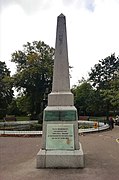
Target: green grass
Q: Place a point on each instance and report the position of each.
(22, 118)
(19, 118)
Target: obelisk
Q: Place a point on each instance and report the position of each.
(61, 94)
(60, 140)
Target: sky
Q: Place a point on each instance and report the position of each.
(92, 29)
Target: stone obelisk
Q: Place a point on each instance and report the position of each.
(60, 140)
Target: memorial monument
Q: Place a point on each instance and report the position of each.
(60, 140)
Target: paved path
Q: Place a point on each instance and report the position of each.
(17, 159)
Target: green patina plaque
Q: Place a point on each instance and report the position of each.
(52, 115)
(68, 115)
(60, 115)
(60, 137)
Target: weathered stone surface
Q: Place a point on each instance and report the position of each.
(60, 140)
(61, 159)
(60, 99)
(61, 94)
(61, 66)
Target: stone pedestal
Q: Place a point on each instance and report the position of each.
(60, 159)
(60, 140)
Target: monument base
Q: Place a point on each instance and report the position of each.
(60, 159)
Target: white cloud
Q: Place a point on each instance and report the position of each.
(29, 6)
(92, 28)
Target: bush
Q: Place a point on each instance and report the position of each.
(36, 127)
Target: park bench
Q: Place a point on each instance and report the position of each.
(10, 118)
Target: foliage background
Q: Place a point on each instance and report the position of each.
(98, 95)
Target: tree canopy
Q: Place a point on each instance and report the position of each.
(84, 96)
(98, 95)
(34, 73)
(6, 92)
(104, 76)
(104, 72)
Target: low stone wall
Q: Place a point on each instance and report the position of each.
(94, 126)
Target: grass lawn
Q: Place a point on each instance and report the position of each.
(19, 118)
(22, 118)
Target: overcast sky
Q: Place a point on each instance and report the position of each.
(92, 29)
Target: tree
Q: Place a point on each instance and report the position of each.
(104, 77)
(13, 109)
(111, 95)
(104, 71)
(115, 90)
(6, 92)
(34, 73)
(84, 96)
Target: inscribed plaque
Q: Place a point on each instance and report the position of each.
(60, 137)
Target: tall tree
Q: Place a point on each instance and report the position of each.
(84, 96)
(102, 77)
(104, 71)
(111, 95)
(34, 73)
(6, 92)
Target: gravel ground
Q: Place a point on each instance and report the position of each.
(18, 158)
